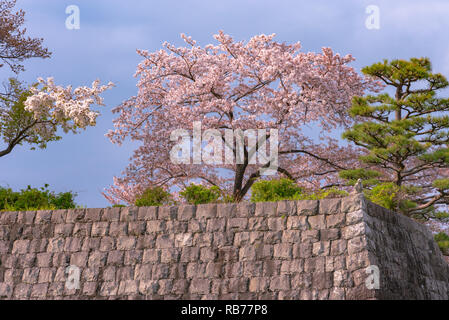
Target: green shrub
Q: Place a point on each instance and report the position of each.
(321, 194)
(442, 239)
(35, 199)
(198, 194)
(156, 196)
(286, 189)
(391, 196)
(274, 190)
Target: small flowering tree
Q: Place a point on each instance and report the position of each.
(34, 115)
(233, 85)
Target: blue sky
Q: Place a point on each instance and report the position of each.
(111, 31)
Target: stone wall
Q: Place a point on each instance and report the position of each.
(285, 250)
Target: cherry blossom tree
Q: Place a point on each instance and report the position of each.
(15, 46)
(260, 84)
(34, 115)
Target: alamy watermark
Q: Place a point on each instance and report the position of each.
(73, 277)
(373, 19)
(373, 279)
(72, 22)
(189, 149)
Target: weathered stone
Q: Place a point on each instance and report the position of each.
(353, 231)
(167, 213)
(20, 246)
(117, 229)
(286, 208)
(46, 275)
(147, 213)
(151, 255)
(89, 289)
(55, 245)
(79, 259)
(100, 229)
(226, 210)
(278, 283)
(322, 280)
(264, 209)
(329, 206)
(336, 220)
(170, 255)
(237, 224)
(30, 275)
(327, 249)
(115, 257)
(357, 244)
(257, 224)
(259, 284)
(204, 211)
(297, 222)
(238, 284)
(338, 247)
(276, 224)
(75, 215)
(183, 240)
(111, 214)
(245, 209)
(82, 229)
(307, 207)
(129, 214)
(72, 244)
(93, 215)
(353, 203)
(317, 222)
(321, 248)
(108, 288)
(310, 236)
(329, 234)
(97, 259)
(214, 225)
(200, 286)
(291, 236)
(355, 217)
(126, 243)
(64, 229)
(283, 251)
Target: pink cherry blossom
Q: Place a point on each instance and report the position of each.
(55, 106)
(259, 84)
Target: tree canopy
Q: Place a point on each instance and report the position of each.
(258, 84)
(404, 137)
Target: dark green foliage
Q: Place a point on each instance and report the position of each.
(286, 189)
(156, 196)
(321, 194)
(198, 194)
(35, 199)
(274, 190)
(405, 137)
(442, 239)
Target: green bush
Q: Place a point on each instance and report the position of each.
(198, 194)
(156, 196)
(391, 196)
(321, 194)
(442, 239)
(35, 199)
(286, 189)
(274, 190)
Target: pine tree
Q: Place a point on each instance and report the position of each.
(404, 138)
